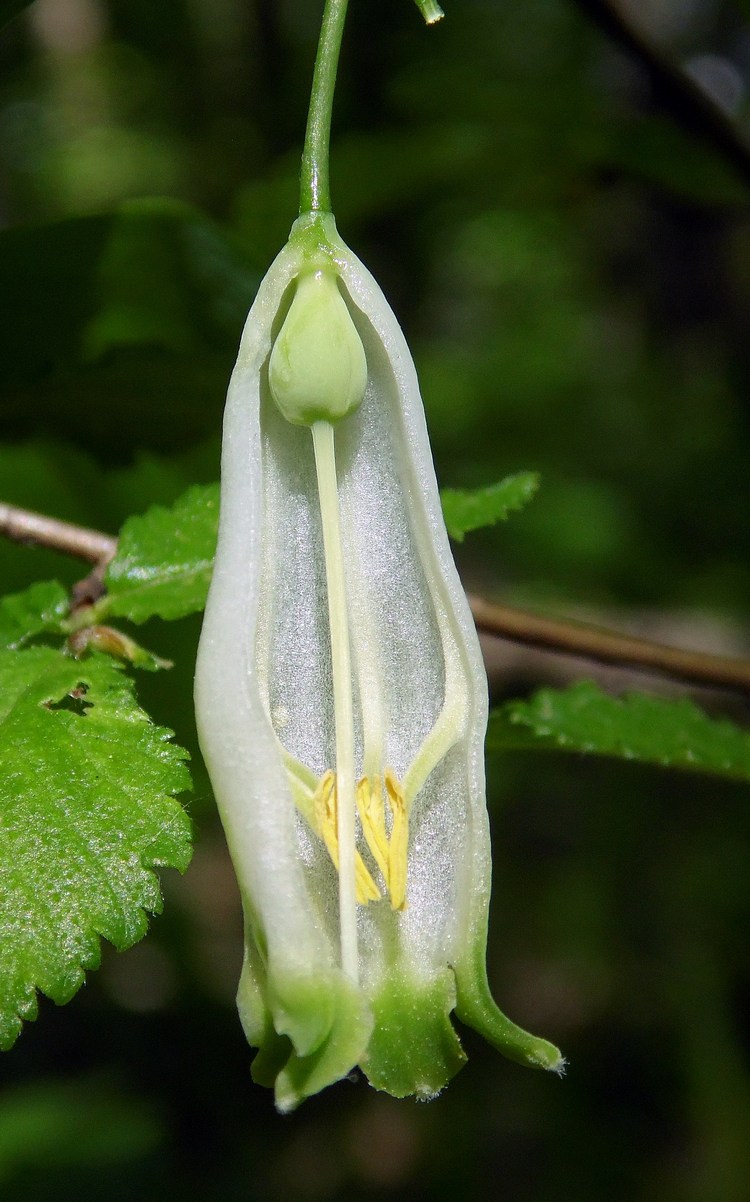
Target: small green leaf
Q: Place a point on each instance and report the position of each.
(651, 730)
(165, 558)
(87, 811)
(113, 642)
(39, 608)
(466, 509)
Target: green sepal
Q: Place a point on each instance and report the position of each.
(414, 1048)
(340, 1052)
(476, 1008)
(257, 1021)
(310, 1032)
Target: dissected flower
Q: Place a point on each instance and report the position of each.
(342, 701)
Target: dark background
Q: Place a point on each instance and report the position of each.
(564, 233)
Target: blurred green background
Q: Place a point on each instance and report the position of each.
(567, 246)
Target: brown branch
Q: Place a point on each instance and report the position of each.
(672, 88)
(609, 647)
(25, 526)
(567, 637)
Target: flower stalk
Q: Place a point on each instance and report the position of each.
(315, 188)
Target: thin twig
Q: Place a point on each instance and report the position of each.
(672, 88)
(563, 636)
(25, 526)
(609, 647)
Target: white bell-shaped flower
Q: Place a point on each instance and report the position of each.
(342, 701)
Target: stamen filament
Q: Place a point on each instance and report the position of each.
(399, 842)
(338, 621)
(325, 821)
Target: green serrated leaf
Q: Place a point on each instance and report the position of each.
(86, 812)
(37, 609)
(165, 558)
(651, 730)
(465, 510)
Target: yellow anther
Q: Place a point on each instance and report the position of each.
(399, 842)
(367, 890)
(325, 809)
(388, 850)
(372, 816)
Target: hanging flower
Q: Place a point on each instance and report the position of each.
(342, 702)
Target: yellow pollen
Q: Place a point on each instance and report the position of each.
(372, 816)
(325, 809)
(388, 851)
(390, 854)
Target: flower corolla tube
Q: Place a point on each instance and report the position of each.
(342, 702)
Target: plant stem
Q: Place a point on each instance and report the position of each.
(25, 526)
(315, 190)
(610, 647)
(341, 670)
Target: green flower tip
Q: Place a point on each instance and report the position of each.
(545, 1055)
(431, 11)
(317, 370)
